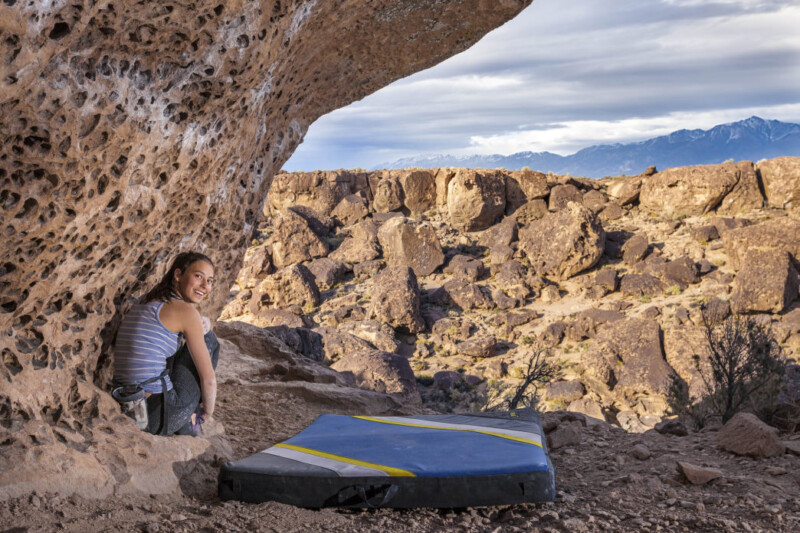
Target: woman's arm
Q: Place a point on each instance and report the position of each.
(192, 329)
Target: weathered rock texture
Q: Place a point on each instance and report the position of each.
(131, 131)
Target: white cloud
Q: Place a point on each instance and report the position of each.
(566, 74)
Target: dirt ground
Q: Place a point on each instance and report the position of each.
(601, 487)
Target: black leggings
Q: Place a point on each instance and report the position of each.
(185, 395)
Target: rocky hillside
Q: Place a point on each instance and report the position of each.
(417, 290)
(437, 285)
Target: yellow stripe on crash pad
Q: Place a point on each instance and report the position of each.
(394, 472)
(451, 427)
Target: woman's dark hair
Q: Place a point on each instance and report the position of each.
(164, 289)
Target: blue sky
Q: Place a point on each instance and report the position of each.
(566, 74)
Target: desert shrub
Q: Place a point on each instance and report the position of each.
(743, 370)
(538, 372)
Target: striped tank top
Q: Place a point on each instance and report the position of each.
(143, 346)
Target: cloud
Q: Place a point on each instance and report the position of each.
(567, 74)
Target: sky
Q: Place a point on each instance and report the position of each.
(567, 74)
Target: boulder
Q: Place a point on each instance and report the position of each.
(327, 272)
(319, 223)
(367, 269)
(387, 194)
(395, 299)
(594, 201)
(478, 347)
(606, 279)
(350, 210)
(681, 272)
(522, 186)
(767, 282)
(466, 295)
(635, 249)
(745, 195)
(612, 211)
(566, 434)
(293, 241)
(530, 212)
(257, 265)
(625, 190)
(745, 434)
(501, 234)
(779, 233)
(442, 182)
(293, 285)
(336, 344)
(681, 345)
(419, 190)
(447, 380)
(465, 267)
(360, 246)
(476, 199)
(781, 179)
(376, 333)
(688, 190)
(640, 285)
(587, 321)
(554, 332)
(705, 233)
(265, 318)
(589, 408)
(564, 392)
(406, 242)
(381, 372)
(564, 243)
(320, 190)
(632, 348)
(561, 195)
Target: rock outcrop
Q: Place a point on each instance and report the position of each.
(476, 199)
(688, 190)
(406, 242)
(133, 131)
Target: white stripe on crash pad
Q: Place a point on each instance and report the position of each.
(510, 434)
(344, 467)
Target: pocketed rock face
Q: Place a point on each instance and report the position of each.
(564, 243)
(132, 131)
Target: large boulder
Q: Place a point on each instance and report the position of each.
(633, 352)
(681, 345)
(387, 193)
(745, 195)
(327, 272)
(466, 267)
(625, 190)
(564, 243)
(688, 190)
(406, 242)
(360, 246)
(395, 299)
(376, 333)
(779, 233)
(293, 241)
(293, 285)
(350, 210)
(476, 199)
(561, 195)
(381, 372)
(419, 190)
(766, 283)
(257, 265)
(523, 186)
(781, 179)
(745, 434)
(320, 190)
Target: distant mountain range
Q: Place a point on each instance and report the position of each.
(750, 139)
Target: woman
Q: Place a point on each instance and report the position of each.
(149, 351)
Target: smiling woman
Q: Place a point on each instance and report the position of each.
(159, 378)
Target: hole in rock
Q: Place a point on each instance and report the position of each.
(60, 29)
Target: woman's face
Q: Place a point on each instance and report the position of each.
(195, 282)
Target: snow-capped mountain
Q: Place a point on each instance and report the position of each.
(750, 139)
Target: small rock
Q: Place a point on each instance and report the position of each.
(641, 452)
(698, 475)
(671, 427)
